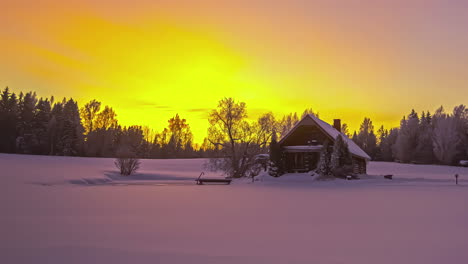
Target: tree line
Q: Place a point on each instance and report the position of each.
(44, 126)
(425, 138)
(32, 125)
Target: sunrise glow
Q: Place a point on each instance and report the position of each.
(152, 59)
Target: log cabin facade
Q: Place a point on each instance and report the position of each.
(301, 146)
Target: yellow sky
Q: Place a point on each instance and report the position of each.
(152, 59)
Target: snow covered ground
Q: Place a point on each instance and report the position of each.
(78, 210)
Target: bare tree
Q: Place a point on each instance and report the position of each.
(88, 114)
(106, 119)
(239, 141)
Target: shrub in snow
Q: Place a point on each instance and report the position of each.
(126, 162)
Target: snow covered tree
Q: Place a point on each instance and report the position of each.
(446, 137)
(340, 159)
(324, 168)
(460, 113)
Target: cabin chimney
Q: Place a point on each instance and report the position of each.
(337, 124)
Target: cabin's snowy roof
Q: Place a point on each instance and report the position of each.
(332, 132)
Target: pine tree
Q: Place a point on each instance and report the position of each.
(8, 121)
(27, 105)
(366, 138)
(72, 137)
(40, 124)
(407, 141)
(401, 147)
(424, 151)
(345, 130)
(275, 165)
(387, 140)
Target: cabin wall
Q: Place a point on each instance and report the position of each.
(300, 161)
(359, 165)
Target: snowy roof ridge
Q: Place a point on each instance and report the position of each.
(333, 133)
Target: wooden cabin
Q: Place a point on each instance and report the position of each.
(301, 146)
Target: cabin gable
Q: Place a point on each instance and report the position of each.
(305, 135)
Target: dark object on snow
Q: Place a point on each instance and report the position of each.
(200, 181)
(389, 176)
(353, 176)
(349, 177)
(456, 179)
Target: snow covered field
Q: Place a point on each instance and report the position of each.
(78, 210)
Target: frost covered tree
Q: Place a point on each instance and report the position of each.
(460, 113)
(446, 137)
(324, 168)
(340, 159)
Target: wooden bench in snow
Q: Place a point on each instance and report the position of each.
(201, 181)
